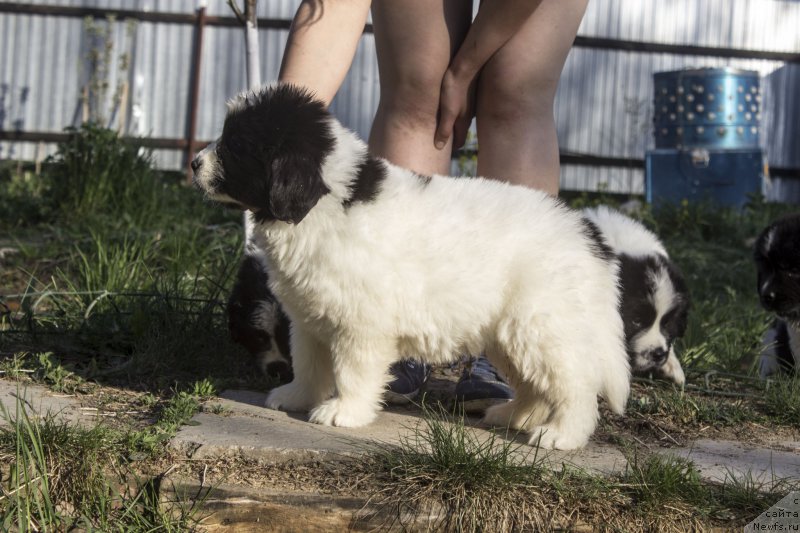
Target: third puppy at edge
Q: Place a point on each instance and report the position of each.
(777, 258)
(373, 262)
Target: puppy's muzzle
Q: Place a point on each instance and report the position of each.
(658, 356)
(773, 302)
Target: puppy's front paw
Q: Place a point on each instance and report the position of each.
(549, 438)
(672, 371)
(290, 397)
(335, 412)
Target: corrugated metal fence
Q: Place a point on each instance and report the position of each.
(603, 107)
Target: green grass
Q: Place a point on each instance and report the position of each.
(782, 400)
(445, 469)
(446, 478)
(59, 477)
(122, 272)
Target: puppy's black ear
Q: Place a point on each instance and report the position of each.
(295, 187)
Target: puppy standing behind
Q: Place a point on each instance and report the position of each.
(256, 319)
(655, 299)
(777, 257)
(371, 261)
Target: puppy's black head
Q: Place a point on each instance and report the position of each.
(654, 306)
(257, 321)
(777, 257)
(270, 154)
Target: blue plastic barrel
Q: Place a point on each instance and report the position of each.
(707, 108)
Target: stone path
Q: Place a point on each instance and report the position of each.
(39, 400)
(247, 429)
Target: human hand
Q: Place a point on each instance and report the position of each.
(456, 109)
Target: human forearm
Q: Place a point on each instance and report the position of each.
(321, 44)
(496, 22)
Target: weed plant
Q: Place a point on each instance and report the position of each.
(97, 172)
(60, 477)
(127, 270)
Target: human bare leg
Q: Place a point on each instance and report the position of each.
(415, 40)
(514, 108)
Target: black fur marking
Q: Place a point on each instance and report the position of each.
(282, 333)
(635, 289)
(599, 247)
(423, 179)
(370, 176)
(271, 153)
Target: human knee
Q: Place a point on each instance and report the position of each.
(413, 97)
(506, 100)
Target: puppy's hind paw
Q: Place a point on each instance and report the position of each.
(549, 438)
(289, 397)
(335, 412)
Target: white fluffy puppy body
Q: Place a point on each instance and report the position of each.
(434, 267)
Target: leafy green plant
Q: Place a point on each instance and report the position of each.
(95, 172)
(203, 389)
(657, 480)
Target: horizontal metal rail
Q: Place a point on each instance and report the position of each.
(582, 41)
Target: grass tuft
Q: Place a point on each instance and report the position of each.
(444, 477)
(782, 399)
(461, 482)
(63, 478)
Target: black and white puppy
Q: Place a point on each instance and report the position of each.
(655, 299)
(373, 262)
(256, 319)
(777, 257)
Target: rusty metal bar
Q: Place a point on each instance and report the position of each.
(194, 90)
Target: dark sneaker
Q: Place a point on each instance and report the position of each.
(409, 376)
(480, 387)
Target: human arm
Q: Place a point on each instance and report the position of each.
(322, 43)
(496, 22)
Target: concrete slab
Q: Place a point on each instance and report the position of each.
(249, 429)
(246, 427)
(721, 459)
(39, 401)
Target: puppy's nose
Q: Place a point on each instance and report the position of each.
(196, 163)
(658, 355)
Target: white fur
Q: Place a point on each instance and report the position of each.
(434, 270)
(624, 234)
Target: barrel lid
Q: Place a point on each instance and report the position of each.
(709, 71)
